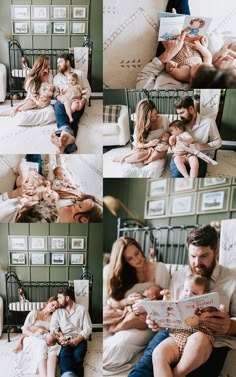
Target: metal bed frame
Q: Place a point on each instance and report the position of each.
(18, 57)
(165, 244)
(34, 291)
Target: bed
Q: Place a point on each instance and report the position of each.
(24, 296)
(168, 245)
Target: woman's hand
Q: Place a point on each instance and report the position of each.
(138, 307)
(25, 189)
(218, 321)
(132, 298)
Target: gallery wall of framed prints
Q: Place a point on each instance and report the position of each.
(185, 197)
(47, 251)
(50, 19)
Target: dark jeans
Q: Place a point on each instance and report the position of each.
(174, 172)
(212, 367)
(144, 365)
(181, 7)
(63, 120)
(33, 158)
(71, 359)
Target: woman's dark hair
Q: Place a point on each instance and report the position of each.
(95, 214)
(122, 275)
(204, 236)
(214, 78)
(42, 212)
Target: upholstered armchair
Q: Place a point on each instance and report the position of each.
(115, 125)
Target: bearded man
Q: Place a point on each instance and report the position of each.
(64, 137)
(74, 324)
(203, 249)
(203, 130)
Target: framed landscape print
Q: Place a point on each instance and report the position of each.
(155, 208)
(213, 201)
(78, 259)
(79, 12)
(37, 243)
(57, 242)
(18, 258)
(157, 187)
(179, 185)
(39, 12)
(20, 12)
(182, 205)
(59, 12)
(205, 183)
(78, 243)
(58, 259)
(37, 259)
(21, 27)
(17, 243)
(79, 27)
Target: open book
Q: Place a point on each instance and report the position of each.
(171, 25)
(184, 313)
(199, 154)
(31, 166)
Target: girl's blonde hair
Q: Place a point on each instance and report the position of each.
(144, 110)
(33, 79)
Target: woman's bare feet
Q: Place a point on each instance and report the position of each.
(56, 141)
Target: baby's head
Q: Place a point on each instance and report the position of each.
(153, 292)
(59, 173)
(51, 196)
(165, 136)
(195, 285)
(73, 79)
(176, 127)
(51, 88)
(198, 72)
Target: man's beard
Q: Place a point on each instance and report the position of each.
(62, 69)
(203, 270)
(187, 120)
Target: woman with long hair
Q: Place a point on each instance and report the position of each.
(37, 356)
(38, 85)
(125, 277)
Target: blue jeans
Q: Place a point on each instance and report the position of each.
(144, 365)
(174, 172)
(63, 120)
(212, 367)
(181, 7)
(71, 359)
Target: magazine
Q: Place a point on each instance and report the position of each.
(31, 166)
(182, 314)
(171, 25)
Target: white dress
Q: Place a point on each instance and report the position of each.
(155, 168)
(35, 349)
(120, 350)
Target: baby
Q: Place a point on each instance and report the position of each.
(41, 186)
(63, 185)
(123, 319)
(153, 150)
(72, 95)
(193, 55)
(40, 332)
(178, 347)
(179, 138)
(37, 101)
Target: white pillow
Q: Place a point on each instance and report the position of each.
(37, 117)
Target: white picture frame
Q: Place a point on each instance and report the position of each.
(60, 27)
(78, 259)
(79, 12)
(179, 185)
(40, 12)
(206, 183)
(79, 27)
(40, 27)
(155, 208)
(21, 27)
(78, 243)
(57, 243)
(20, 12)
(17, 243)
(182, 205)
(58, 259)
(213, 200)
(157, 187)
(18, 259)
(37, 259)
(59, 12)
(37, 242)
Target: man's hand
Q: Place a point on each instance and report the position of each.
(172, 48)
(199, 146)
(218, 321)
(74, 342)
(152, 324)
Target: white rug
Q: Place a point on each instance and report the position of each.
(36, 139)
(92, 364)
(226, 165)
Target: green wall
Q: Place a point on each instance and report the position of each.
(228, 124)
(132, 192)
(58, 41)
(93, 232)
